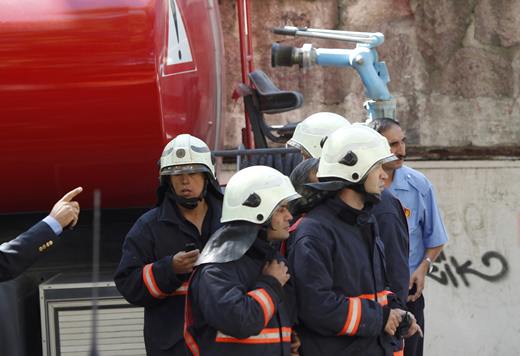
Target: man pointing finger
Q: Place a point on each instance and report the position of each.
(20, 253)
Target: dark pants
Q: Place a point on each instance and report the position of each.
(413, 346)
(179, 349)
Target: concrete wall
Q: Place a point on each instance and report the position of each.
(454, 65)
(472, 296)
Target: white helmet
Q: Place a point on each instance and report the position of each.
(351, 151)
(253, 194)
(309, 133)
(186, 154)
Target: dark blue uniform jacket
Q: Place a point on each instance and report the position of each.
(337, 266)
(236, 310)
(393, 230)
(145, 274)
(19, 254)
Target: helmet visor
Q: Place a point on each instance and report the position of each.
(184, 169)
(388, 159)
(285, 201)
(382, 161)
(294, 144)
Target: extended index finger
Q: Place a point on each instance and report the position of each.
(70, 195)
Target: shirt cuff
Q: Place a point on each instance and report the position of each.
(53, 224)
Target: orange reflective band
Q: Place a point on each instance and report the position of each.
(399, 353)
(149, 282)
(382, 297)
(190, 342)
(264, 299)
(353, 317)
(266, 336)
(182, 290)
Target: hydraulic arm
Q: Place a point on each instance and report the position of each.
(363, 58)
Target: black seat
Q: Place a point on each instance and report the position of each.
(265, 97)
(272, 100)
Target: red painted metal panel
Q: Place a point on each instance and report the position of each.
(84, 100)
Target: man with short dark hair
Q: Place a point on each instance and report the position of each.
(427, 232)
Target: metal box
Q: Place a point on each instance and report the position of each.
(66, 318)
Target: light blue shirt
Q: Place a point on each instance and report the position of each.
(425, 225)
(54, 224)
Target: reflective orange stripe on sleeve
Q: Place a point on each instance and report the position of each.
(353, 317)
(182, 290)
(266, 336)
(149, 282)
(151, 285)
(382, 297)
(264, 299)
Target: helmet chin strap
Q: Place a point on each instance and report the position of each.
(189, 203)
(371, 198)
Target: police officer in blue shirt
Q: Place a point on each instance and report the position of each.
(427, 232)
(19, 254)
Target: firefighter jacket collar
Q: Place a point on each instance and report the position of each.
(347, 213)
(263, 250)
(329, 186)
(229, 243)
(169, 212)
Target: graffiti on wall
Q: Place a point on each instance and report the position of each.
(450, 270)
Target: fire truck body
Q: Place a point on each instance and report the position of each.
(92, 90)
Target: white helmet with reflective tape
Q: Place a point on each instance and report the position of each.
(309, 133)
(350, 152)
(186, 154)
(254, 193)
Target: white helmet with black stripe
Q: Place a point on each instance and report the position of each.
(350, 152)
(310, 132)
(186, 154)
(254, 193)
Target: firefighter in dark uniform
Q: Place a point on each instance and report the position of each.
(19, 254)
(391, 221)
(161, 248)
(239, 299)
(337, 257)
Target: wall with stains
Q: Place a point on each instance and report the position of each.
(455, 71)
(454, 67)
(472, 293)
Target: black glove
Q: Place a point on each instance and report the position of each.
(404, 325)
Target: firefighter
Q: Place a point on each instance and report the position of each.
(161, 248)
(427, 233)
(337, 259)
(310, 132)
(240, 301)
